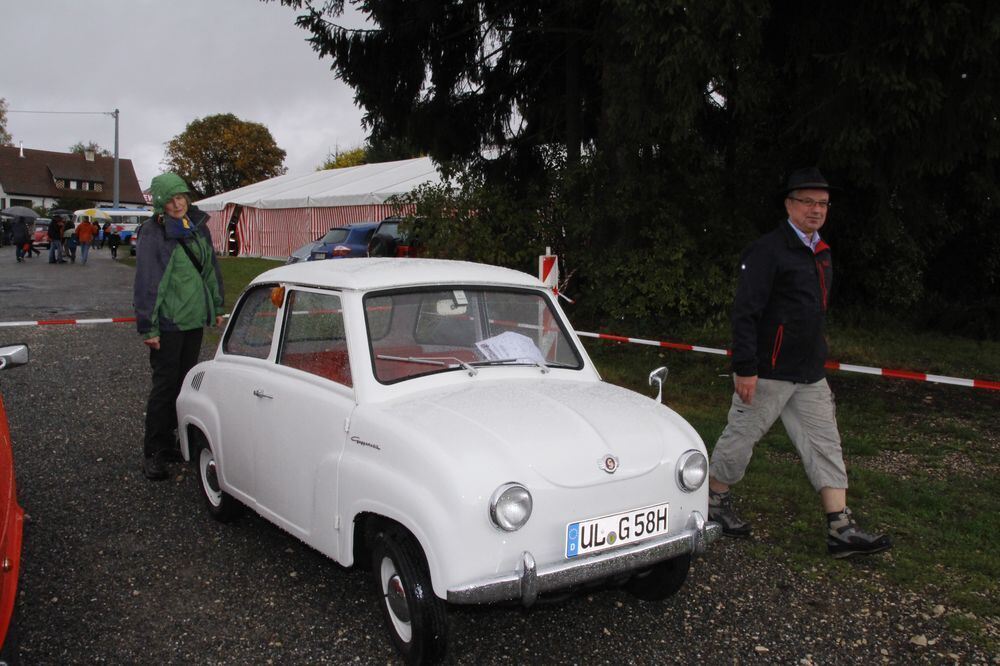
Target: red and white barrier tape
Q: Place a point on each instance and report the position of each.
(66, 322)
(831, 365)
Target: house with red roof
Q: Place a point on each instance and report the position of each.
(39, 177)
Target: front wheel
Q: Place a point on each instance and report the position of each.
(660, 581)
(221, 505)
(415, 617)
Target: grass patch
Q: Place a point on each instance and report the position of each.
(943, 518)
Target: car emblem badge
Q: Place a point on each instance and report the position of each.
(610, 464)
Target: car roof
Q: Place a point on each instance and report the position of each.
(363, 274)
(364, 226)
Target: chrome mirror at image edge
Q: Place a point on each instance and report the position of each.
(657, 378)
(13, 355)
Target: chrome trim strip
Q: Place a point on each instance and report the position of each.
(528, 582)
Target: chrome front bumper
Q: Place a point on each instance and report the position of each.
(529, 581)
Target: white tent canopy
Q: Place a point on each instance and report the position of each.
(350, 186)
(274, 217)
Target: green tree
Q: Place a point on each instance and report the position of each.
(5, 137)
(339, 159)
(221, 152)
(71, 204)
(657, 133)
(91, 146)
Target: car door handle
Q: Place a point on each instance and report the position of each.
(261, 394)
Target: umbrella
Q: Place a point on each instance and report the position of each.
(95, 214)
(19, 211)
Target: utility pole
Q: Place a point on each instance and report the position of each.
(115, 115)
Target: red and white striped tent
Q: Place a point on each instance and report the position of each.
(275, 217)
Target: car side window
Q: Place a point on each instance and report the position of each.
(251, 332)
(314, 340)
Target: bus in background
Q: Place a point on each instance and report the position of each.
(126, 220)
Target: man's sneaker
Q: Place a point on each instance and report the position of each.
(846, 539)
(720, 510)
(153, 468)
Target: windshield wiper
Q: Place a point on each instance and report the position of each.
(431, 360)
(510, 361)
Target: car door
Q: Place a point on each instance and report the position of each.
(301, 426)
(238, 385)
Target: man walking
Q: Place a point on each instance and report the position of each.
(779, 352)
(55, 240)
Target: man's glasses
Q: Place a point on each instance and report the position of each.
(809, 203)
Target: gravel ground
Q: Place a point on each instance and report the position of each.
(117, 569)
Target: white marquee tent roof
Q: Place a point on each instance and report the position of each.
(350, 186)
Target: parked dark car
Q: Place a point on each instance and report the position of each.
(337, 243)
(11, 519)
(396, 237)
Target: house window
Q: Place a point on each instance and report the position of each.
(98, 187)
(72, 184)
(84, 185)
(61, 184)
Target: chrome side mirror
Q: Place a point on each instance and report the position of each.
(13, 355)
(657, 378)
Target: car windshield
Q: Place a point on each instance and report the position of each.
(422, 331)
(335, 236)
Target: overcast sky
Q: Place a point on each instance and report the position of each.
(164, 63)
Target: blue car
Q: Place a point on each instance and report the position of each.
(338, 243)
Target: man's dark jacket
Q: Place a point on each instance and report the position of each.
(779, 312)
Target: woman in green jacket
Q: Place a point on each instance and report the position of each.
(177, 292)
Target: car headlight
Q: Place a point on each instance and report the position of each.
(692, 470)
(510, 507)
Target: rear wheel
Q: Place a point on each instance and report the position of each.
(221, 504)
(415, 617)
(660, 581)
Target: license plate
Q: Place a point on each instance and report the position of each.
(597, 534)
(319, 255)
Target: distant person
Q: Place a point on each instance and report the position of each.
(114, 240)
(55, 240)
(69, 240)
(85, 234)
(178, 291)
(20, 236)
(104, 233)
(779, 352)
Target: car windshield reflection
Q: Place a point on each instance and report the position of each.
(422, 331)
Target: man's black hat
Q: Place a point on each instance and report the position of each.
(807, 179)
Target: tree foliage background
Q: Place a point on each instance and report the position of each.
(5, 137)
(646, 141)
(81, 148)
(221, 152)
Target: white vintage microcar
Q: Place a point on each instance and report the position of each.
(440, 422)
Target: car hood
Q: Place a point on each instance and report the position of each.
(562, 430)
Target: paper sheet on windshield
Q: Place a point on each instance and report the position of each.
(510, 345)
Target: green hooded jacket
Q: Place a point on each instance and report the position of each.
(170, 293)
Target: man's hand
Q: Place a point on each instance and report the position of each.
(745, 387)
(152, 343)
(219, 321)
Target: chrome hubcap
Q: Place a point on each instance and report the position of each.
(210, 478)
(395, 599)
(395, 596)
